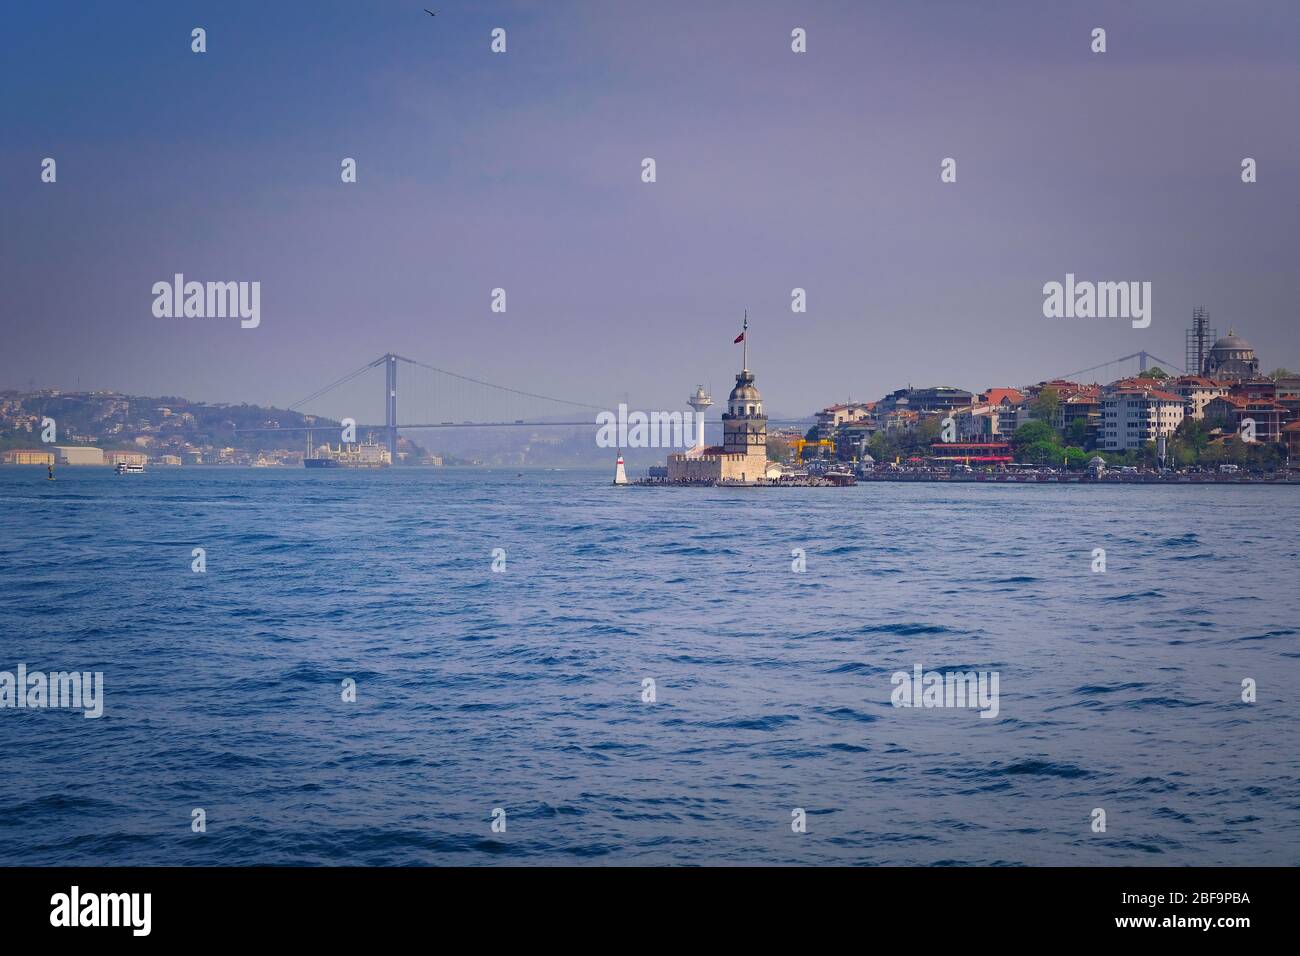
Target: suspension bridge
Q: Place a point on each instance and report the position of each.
(433, 398)
(1144, 360)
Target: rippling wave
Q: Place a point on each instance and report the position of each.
(523, 690)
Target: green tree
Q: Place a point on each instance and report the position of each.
(1046, 404)
(1076, 458)
(1155, 371)
(927, 431)
(1033, 431)
(882, 446)
(1041, 453)
(1196, 432)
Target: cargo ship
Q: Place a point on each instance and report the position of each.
(368, 454)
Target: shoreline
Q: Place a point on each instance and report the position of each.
(1000, 480)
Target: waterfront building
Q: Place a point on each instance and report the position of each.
(1083, 404)
(944, 399)
(899, 419)
(1000, 396)
(976, 453)
(1291, 435)
(1264, 388)
(1075, 402)
(1131, 417)
(939, 398)
(1196, 391)
(1232, 410)
(979, 423)
(895, 401)
(1010, 416)
(742, 456)
(1288, 396)
(829, 419)
(27, 456)
(78, 455)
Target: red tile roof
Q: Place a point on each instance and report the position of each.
(998, 396)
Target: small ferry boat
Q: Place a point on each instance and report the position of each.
(123, 468)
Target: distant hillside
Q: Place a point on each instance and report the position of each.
(168, 423)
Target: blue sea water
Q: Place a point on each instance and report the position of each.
(523, 689)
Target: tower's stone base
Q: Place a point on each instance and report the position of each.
(712, 464)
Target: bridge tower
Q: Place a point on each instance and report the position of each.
(390, 405)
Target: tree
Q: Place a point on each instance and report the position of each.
(1042, 453)
(1192, 433)
(1155, 372)
(1036, 442)
(1031, 432)
(1283, 373)
(1046, 404)
(882, 446)
(927, 431)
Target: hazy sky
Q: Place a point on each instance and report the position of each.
(523, 170)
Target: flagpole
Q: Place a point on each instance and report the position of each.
(745, 340)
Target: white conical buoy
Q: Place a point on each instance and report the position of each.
(620, 475)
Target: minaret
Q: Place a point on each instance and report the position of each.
(700, 401)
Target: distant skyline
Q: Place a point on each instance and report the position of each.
(522, 171)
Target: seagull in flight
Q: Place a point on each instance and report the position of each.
(429, 12)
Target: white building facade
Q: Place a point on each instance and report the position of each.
(1131, 417)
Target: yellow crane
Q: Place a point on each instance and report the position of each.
(800, 443)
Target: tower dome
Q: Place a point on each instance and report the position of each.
(1232, 358)
(745, 401)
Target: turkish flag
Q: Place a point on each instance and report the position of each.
(738, 339)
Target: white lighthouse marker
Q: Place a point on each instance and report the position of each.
(700, 401)
(620, 475)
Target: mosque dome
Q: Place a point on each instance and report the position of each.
(1232, 357)
(1232, 342)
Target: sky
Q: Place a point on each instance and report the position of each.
(523, 171)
